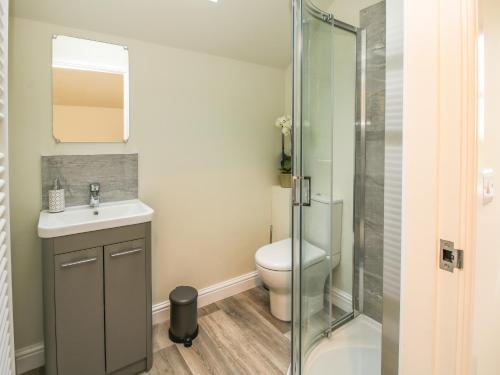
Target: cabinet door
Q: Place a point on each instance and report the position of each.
(125, 306)
(80, 312)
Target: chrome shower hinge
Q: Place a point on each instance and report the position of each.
(328, 332)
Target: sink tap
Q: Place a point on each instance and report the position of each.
(95, 197)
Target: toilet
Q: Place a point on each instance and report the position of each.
(274, 261)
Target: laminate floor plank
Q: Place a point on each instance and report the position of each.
(258, 298)
(273, 346)
(237, 336)
(169, 361)
(160, 336)
(234, 343)
(160, 331)
(202, 311)
(204, 357)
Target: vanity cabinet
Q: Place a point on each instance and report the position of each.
(79, 312)
(125, 304)
(97, 302)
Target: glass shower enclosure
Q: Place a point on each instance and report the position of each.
(324, 141)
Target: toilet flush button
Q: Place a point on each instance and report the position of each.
(488, 186)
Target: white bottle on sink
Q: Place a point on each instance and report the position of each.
(56, 198)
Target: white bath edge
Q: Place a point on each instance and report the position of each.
(354, 348)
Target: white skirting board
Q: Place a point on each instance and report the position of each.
(32, 357)
(341, 299)
(29, 358)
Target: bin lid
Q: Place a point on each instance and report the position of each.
(183, 295)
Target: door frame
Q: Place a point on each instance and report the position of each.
(439, 184)
(457, 182)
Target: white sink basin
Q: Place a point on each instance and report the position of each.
(82, 219)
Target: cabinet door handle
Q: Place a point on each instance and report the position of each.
(128, 252)
(78, 262)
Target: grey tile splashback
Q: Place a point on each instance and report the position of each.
(117, 174)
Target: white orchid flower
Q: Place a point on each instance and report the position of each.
(286, 130)
(285, 123)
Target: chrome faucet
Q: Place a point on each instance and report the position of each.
(95, 197)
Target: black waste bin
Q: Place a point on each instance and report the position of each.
(183, 315)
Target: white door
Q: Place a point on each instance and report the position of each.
(468, 301)
(486, 312)
(456, 183)
(451, 321)
(439, 186)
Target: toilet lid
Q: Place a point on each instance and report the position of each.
(278, 255)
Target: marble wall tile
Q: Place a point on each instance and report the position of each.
(117, 174)
(374, 240)
(373, 296)
(374, 203)
(373, 20)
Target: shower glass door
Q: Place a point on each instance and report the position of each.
(317, 153)
(324, 132)
(313, 152)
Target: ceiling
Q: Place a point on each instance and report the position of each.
(257, 31)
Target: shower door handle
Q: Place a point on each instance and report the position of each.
(305, 184)
(307, 191)
(295, 200)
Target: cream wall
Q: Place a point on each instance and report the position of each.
(203, 128)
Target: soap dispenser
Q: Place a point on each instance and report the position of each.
(56, 198)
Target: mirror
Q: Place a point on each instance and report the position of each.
(89, 91)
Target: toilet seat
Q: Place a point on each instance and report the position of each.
(277, 256)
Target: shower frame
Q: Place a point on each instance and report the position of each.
(392, 341)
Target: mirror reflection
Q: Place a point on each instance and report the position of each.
(89, 91)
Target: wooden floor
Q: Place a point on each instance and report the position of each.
(237, 335)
